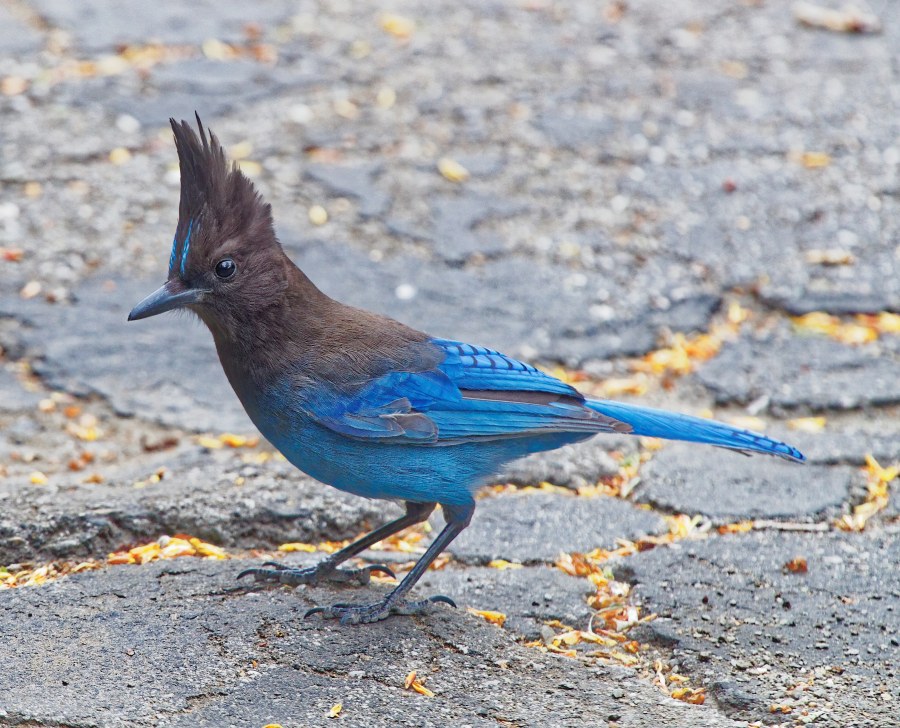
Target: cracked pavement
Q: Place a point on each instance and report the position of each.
(634, 172)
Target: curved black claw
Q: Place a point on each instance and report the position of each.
(368, 613)
(441, 598)
(274, 572)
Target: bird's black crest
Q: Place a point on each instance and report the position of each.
(217, 200)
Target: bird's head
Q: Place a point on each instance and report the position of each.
(226, 263)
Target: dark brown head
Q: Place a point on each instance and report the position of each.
(226, 264)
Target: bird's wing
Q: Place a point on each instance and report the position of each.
(473, 394)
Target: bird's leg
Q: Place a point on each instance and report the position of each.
(457, 518)
(326, 569)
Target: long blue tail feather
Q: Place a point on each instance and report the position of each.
(650, 422)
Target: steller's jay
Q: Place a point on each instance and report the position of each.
(360, 401)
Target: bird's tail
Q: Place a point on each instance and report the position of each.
(672, 426)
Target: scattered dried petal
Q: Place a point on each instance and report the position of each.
(863, 329)
(31, 289)
(168, 547)
(849, 19)
(807, 424)
(297, 546)
(830, 256)
(503, 564)
(695, 696)
(815, 160)
(119, 155)
(208, 550)
(497, 618)
(232, 440)
(617, 386)
(739, 527)
(397, 25)
(876, 498)
(216, 50)
(452, 170)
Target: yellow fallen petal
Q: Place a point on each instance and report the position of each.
(497, 618)
(452, 170)
(146, 553)
(296, 546)
(232, 440)
(877, 472)
(807, 424)
(624, 385)
(216, 50)
(397, 25)
(176, 547)
(739, 527)
(623, 657)
(208, 550)
(503, 564)
(888, 323)
(815, 160)
(335, 710)
(817, 321)
(829, 256)
(119, 155)
(854, 334)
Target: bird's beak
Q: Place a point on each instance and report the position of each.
(170, 296)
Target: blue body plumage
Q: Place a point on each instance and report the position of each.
(423, 436)
(361, 402)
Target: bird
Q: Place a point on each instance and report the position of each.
(360, 401)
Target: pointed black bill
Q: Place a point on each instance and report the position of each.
(166, 298)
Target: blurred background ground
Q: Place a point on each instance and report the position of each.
(694, 204)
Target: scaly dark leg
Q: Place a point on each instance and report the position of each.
(327, 569)
(457, 518)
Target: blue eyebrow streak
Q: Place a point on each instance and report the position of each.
(172, 256)
(187, 247)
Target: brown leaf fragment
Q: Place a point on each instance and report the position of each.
(797, 565)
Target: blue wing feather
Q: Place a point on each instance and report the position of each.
(478, 394)
(475, 367)
(431, 407)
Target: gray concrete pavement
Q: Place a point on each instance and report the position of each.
(634, 170)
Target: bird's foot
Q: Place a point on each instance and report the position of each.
(275, 573)
(367, 613)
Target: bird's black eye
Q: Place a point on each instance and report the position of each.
(226, 268)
